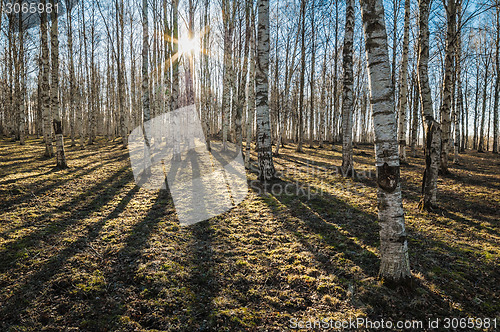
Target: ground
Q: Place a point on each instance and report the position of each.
(86, 249)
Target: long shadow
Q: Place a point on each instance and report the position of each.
(308, 162)
(329, 231)
(469, 222)
(476, 180)
(4, 206)
(200, 286)
(318, 167)
(202, 281)
(6, 182)
(101, 196)
(130, 257)
(424, 252)
(17, 304)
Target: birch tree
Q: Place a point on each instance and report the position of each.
(21, 81)
(433, 129)
(497, 83)
(302, 76)
(146, 112)
(228, 21)
(251, 90)
(312, 82)
(264, 149)
(403, 91)
(447, 94)
(54, 90)
(347, 99)
(45, 85)
(458, 109)
(174, 97)
(394, 265)
(72, 78)
(240, 100)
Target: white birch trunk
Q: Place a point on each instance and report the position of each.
(447, 92)
(433, 130)
(403, 92)
(228, 69)
(54, 91)
(264, 151)
(347, 98)
(45, 87)
(394, 266)
(251, 94)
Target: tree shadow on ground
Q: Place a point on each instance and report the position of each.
(78, 208)
(341, 228)
(37, 283)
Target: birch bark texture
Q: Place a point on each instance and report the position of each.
(145, 65)
(403, 92)
(394, 265)
(251, 92)
(174, 97)
(45, 85)
(447, 93)
(264, 149)
(432, 127)
(300, 115)
(347, 99)
(458, 109)
(497, 82)
(54, 91)
(228, 68)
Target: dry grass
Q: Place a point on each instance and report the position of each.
(85, 248)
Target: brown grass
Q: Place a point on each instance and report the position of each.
(85, 248)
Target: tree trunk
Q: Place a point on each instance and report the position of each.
(480, 147)
(45, 86)
(458, 109)
(322, 110)
(403, 91)
(54, 91)
(497, 83)
(447, 92)
(433, 130)
(476, 106)
(300, 111)
(264, 149)
(146, 112)
(414, 125)
(394, 265)
(251, 92)
(121, 75)
(347, 99)
(174, 101)
(72, 77)
(243, 78)
(312, 82)
(206, 77)
(335, 77)
(228, 69)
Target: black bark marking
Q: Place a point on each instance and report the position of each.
(388, 177)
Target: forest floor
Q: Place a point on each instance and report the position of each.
(86, 249)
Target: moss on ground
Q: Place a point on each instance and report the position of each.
(85, 248)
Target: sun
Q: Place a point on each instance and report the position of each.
(187, 45)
